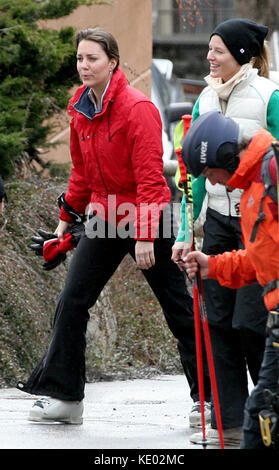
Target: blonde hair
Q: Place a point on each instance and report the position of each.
(261, 62)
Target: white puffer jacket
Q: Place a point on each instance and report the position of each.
(247, 105)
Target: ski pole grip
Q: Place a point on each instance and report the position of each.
(187, 118)
(182, 167)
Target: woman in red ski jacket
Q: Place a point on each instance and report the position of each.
(117, 181)
(117, 151)
(248, 165)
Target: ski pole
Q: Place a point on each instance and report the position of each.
(211, 368)
(187, 189)
(200, 315)
(275, 146)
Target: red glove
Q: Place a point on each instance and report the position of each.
(53, 248)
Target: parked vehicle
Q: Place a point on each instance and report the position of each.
(274, 55)
(168, 95)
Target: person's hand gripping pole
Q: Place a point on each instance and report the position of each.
(200, 315)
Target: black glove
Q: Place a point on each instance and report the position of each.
(49, 265)
(272, 327)
(39, 246)
(76, 231)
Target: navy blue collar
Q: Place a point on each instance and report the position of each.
(85, 106)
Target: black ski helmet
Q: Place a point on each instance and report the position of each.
(211, 141)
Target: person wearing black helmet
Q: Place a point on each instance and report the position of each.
(227, 157)
(212, 142)
(239, 89)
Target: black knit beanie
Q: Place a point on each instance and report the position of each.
(243, 38)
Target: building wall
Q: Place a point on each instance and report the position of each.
(184, 40)
(130, 21)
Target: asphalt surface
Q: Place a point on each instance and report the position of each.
(122, 415)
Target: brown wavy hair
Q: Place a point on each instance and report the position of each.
(102, 37)
(261, 62)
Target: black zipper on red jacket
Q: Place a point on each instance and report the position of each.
(109, 112)
(101, 174)
(97, 158)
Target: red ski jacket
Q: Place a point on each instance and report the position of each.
(260, 259)
(117, 157)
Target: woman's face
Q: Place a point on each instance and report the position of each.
(93, 65)
(222, 64)
(217, 175)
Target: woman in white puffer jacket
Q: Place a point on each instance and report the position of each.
(239, 87)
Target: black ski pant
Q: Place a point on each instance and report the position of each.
(268, 379)
(237, 320)
(61, 372)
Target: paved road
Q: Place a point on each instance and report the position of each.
(134, 414)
